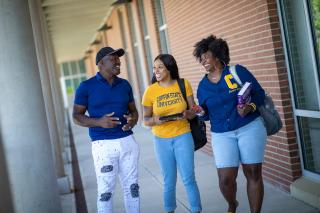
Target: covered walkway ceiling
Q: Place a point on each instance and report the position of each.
(72, 24)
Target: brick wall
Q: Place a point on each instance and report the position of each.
(114, 39)
(118, 37)
(252, 31)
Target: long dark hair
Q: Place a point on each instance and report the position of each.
(171, 65)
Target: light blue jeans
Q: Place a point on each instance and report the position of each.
(173, 153)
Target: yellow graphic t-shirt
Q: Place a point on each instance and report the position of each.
(167, 101)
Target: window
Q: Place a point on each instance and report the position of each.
(315, 16)
(309, 134)
(65, 69)
(162, 26)
(69, 86)
(136, 53)
(82, 66)
(146, 37)
(74, 68)
(73, 72)
(300, 24)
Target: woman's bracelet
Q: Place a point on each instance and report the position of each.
(254, 107)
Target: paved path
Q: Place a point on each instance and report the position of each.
(150, 181)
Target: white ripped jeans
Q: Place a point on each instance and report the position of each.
(112, 158)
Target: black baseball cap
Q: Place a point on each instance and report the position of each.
(108, 51)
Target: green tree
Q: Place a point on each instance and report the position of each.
(316, 19)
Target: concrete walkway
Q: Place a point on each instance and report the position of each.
(150, 182)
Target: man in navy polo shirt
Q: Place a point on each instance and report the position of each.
(111, 116)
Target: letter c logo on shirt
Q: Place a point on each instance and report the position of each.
(230, 85)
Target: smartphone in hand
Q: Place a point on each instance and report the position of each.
(198, 110)
(172, 117)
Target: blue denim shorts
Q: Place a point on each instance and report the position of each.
(245, 145)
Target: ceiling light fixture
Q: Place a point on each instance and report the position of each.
(104, 27)
(119, 2)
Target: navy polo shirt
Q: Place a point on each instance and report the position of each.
(219, 100)
(100, 98)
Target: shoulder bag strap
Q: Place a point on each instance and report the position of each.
(183, 89)
(235, 75)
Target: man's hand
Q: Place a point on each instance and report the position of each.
(131, 122)
(107, 121)
(243, 111)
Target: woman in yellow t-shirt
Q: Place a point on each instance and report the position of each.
(173, 141)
